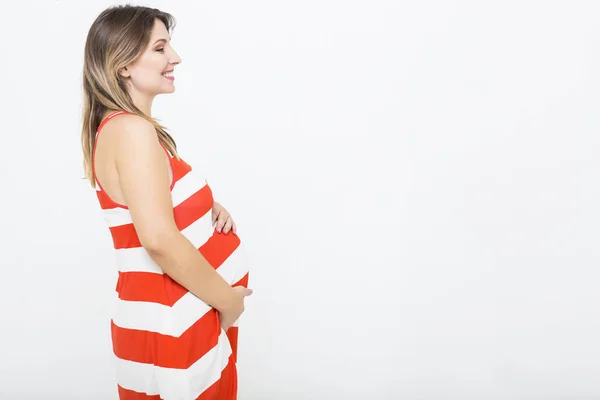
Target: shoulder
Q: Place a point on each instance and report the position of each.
(129, 138)
(129, 128)
(128, 123)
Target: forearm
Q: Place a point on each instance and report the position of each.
(179, 259)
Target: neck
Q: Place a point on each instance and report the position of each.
(143, 102)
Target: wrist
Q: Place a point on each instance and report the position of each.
(227, 300)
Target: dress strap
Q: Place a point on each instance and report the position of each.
(110, 116)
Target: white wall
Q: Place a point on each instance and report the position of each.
(417, 183)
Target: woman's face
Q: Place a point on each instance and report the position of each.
(152, 71)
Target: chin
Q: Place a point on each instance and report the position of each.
(167, 91)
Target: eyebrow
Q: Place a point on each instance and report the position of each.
(160, 40)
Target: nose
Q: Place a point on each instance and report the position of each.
(175, 59)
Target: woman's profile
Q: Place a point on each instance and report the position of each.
(182, 278)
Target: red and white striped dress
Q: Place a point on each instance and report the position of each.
(168, 343)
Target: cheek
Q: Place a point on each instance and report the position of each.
(148, 69)
(147, 76)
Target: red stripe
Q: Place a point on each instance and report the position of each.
(105, 202)
(159, 288)
(193, 208)
(242, 282)
(164, 350)
(226, 387)
(180, 169)
(232, 335)
(125, 237)
(223, 389)
(126, 394)
(147, 286)
(219, 247)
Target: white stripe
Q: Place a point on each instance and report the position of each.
(189, 184)
(155, 317)
(116, 216)
(137, 259)
(200, 230)
(159, 318)
(234, 267)
(239, 261)
(171, 383)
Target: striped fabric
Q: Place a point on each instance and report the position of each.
(168, 343)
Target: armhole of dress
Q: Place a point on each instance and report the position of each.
(102, 123)
(99, 187)
(171, 164)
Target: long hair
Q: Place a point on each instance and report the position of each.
(117, 36)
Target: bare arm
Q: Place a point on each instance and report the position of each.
(144, 182)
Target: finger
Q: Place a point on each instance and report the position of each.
(224, 220)
(215, 214)
(234, 228)
(227, 226)
(244, 290)
(221, 222)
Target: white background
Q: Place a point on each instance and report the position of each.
(416, 183)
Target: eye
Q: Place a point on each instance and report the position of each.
(160, 49)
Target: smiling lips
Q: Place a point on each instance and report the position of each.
(169, 75)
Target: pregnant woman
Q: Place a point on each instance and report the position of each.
(182, 274)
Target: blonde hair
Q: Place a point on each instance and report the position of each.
(117, 36)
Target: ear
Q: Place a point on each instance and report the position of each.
(124, 73)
